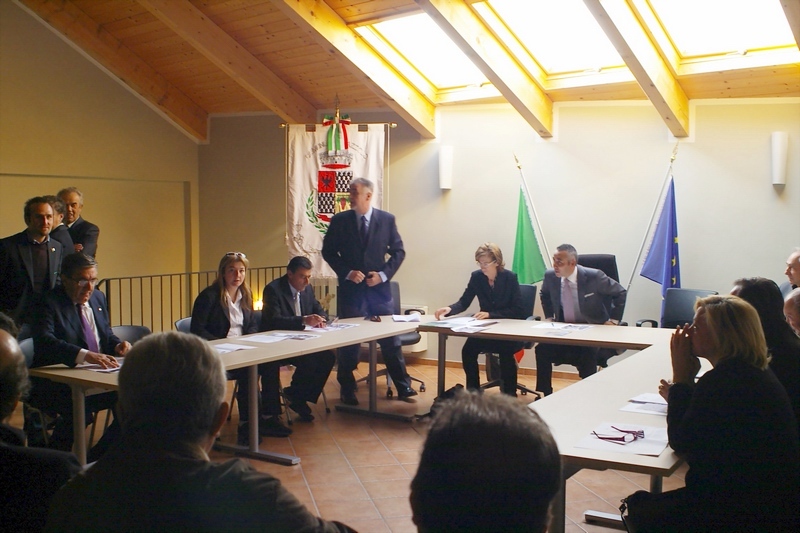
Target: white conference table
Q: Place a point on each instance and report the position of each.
(574, 412)
(85, 381)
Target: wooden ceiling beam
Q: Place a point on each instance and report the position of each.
(467, 31)
(632, 42)
(102, 47)
(792, 10)
(328, 29)
(222, 50)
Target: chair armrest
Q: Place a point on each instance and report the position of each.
(409, 311)
(652, 323)
(622, 324)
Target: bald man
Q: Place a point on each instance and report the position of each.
(791, 309)
(30, 476)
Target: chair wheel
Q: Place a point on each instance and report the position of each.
(422, 388)
(389, 393)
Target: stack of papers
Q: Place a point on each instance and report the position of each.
(230, 347)
(94, 367)
(648, 403)
(464, 324)
(654, 442)
(560, 329)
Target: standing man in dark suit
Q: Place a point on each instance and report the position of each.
(290, 304)
(60, 231)
(84, 234)
(575, 294)
(29, 264)
(30, 476)
(74, 328)
(365, 250)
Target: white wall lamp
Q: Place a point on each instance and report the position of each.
(780, 157)
(446, 167)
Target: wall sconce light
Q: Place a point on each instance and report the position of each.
(446, 167)
(780, 156)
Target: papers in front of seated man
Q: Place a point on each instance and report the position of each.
(560, 329)
(411, 317)
(648, 403)
(464, 324)
(654, 442)
(230, 347)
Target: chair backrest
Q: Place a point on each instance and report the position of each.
(528, 298)
(406, 339)
(605, 262)
(679, 306)
(130, 333)
(26, 345)
(184, 325)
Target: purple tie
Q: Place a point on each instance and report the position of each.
(364, 229)
(567, 302)
(88, 334)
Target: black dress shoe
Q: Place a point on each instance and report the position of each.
(301, 408)
(406, 394)
(243, 435)
(272, 427)
(349, 398)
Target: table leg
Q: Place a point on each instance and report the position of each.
(656, 484)
(252, 451)
(79, 422)
(442, 363)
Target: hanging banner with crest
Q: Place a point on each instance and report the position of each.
(322, 160)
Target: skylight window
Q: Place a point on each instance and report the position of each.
(430, 51)
(714, 27)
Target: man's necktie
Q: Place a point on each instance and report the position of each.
(88, 334)
(297, 310)
(567, 302)
(364, 229)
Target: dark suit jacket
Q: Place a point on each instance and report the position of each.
(61, 234)
(85, 233)
(58, 336)
(279, 306)
(210, 319)
(504, 301)
(16, 272)
(343, 250)
(786, 288)
(28, 480)
(594, 289)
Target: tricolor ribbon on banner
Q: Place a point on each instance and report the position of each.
(337, 133)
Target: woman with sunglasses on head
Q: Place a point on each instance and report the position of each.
(498, 294)
(735, 427)
(225, 309)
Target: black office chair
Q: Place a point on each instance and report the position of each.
(608, 264)
(131, 333)
(34, 420)
(406, 339)
(492, 365)
(678, 307)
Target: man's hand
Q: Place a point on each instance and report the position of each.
(313, 320)
(105, 361)
(122, 348)
(443, 311)
(78, 248)
(481, 315)
(356, 276)
(373, 278)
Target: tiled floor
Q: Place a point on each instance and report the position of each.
(357, 470)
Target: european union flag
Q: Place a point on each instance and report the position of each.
(662, 263)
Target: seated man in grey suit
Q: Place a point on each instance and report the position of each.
(289, 303)
(489, 464)
(792, 272)
(575, 294)
(172, 405)
(29, 477)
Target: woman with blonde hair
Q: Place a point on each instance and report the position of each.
(735, 427)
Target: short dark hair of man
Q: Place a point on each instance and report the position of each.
(14, 382)
(74, 263)
(299, 261)
(171, 386)
(57, 204)
(29, 206)
(489, 464)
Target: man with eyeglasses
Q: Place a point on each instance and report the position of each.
(575, 294)
(74, 328)
(29, 264)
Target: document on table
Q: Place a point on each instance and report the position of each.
(411, 317)
(296, 336)
(230, 347)
(654, 442)
(648, 403)
(560, 329)
(464, 324)
(94, 367)
(332, 327)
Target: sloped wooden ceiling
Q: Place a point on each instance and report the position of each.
(193, 58)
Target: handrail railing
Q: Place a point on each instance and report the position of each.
(159, 300)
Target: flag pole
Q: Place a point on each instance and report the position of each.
(529, 201)
(655, 213)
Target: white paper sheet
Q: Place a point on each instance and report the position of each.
(654, 442)
(230, 347)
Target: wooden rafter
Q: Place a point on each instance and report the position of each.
(330, 31)
(121, 62)
(652, 73)
(467, 31)
(792, 10)
(221, 49)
